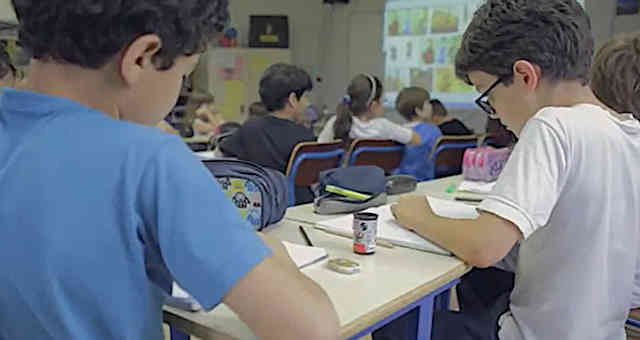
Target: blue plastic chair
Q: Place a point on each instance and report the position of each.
(448, 152)
(385, 154)
(307, 161)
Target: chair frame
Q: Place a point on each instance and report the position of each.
(296, 159)
(355, 151)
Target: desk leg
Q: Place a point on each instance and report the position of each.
(425, 307)
(425, 319)
(178, 335)
(443, 300)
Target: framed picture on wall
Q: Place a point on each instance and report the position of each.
(269, 31)
(628, 7)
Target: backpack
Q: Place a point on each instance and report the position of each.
(259, 193)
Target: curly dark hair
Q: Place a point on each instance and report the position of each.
(89, 33)
(553, 34)
(279, 81)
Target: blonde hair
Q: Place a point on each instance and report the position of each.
(615, 78)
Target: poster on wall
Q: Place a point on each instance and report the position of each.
(628, 7)
(421, 40)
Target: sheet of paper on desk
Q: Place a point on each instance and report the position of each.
(304, 256)
(452, 209)
(388, 230)
(476, 187)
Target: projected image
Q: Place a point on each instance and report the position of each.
(421, 40)
(420, 21)
(445, 20)
(427, 51)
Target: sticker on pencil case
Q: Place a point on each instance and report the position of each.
(344, 266)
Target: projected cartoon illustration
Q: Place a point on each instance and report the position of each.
(421, 40)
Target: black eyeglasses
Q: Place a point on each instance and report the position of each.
(483, 100)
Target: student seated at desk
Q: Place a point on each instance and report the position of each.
(614, 80)
(449, 125)
(568, 194)
(614, 73)
(411, 104)
(360, 114)
(96, 242)
(270, 140)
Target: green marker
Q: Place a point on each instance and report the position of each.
(347, 193)
(451, 188)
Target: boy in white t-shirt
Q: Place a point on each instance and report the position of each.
(359, 116)
(568, 195)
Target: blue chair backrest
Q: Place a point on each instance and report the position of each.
(307, 161)
(385, 154)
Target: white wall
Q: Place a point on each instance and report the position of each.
(305, 22)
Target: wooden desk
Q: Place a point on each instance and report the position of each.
(391, 283)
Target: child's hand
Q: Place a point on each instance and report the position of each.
(413, 212)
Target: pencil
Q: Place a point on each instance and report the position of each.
(305, 236)
(468, 199)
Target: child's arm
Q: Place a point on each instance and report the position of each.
(400, 133)
(415, 139)
(297, 307)
(481, 242)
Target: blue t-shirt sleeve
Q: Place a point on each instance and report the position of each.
(203, 241)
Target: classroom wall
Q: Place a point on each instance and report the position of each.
(336, 42)
(305, 22)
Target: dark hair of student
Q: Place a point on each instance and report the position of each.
(553, 34)
(438, 108)
(361, 93)
(410, 99)
(257, 110)
(279, 82)
(616, 74)
(89, 33)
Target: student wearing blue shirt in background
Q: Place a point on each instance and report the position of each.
(412, 103)
(99, 213)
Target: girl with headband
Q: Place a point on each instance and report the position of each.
(359, 116)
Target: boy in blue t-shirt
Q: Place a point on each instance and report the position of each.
(412, 104)
(99, 214)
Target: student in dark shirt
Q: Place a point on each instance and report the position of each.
(268, 141)
(449, 125)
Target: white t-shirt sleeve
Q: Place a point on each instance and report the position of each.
(395, 132)
(327, 132)
(532, 180)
